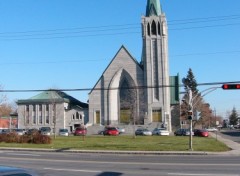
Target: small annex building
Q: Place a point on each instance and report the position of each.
(52, 108)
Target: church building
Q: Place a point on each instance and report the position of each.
(132, 92)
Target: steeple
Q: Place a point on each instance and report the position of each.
(153, 8)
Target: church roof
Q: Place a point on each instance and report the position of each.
(125, 50)
(153, 8)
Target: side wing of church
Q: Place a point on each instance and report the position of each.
(129, 92)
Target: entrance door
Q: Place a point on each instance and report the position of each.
(125, 115)
(157, 115)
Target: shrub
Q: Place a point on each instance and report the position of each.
(41, 139)
(35, 139)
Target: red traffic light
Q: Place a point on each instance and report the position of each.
(230, 86)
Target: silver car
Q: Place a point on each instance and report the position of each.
(63, 132)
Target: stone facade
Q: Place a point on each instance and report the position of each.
(129, 92)
(53, 109)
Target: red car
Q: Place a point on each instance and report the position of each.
(200, 132)
(112, 131)
(80, 131)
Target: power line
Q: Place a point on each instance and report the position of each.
(98, 30)
(117, 88)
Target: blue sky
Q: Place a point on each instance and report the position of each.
(67, 44)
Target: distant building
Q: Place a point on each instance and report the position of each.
(8, 122)
(52, 108)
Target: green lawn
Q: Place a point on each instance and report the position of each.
(140, 143)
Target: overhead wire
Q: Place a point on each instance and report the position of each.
(117, 88)
(98, 30)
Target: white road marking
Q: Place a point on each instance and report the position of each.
(72, 170)
(22, 154)
(189, 174)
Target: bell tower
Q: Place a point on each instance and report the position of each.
(155, 65)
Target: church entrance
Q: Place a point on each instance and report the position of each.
(128, 103)
(125, 116)
(157, 115)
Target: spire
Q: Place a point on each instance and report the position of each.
(153, 8)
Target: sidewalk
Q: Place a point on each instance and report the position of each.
(234, 146)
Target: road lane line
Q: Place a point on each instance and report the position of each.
(190, 174)
(22, 154)
(72, 170)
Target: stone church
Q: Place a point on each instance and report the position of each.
(132, 92)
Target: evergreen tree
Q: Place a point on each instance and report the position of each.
(190, 82)
(233, 118)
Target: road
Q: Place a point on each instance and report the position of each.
(233, 135)
(76, 164)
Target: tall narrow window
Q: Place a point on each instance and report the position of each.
(47, 119)
(77, 115)
(154, 28)
(34, 108)
(148, 29)
(159, 29)
(34, 119)
(40, 107)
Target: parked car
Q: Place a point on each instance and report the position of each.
(112, 131)
(211, 129)
(32, 131)
(183, 132)
(79, 131)
(63, 132)
(45, 131)
(121, 130)
(201, 132)
(20, 132)
(6, 131)
(143, 132)
(160, 132)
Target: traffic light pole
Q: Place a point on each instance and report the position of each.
(190, 115)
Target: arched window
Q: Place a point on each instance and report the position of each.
(148, 29)
(77, 115)
(154, 28)
(159, 31)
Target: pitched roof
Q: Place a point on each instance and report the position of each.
(121, 48)
(53, 95)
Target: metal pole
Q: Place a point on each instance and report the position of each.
(191, 110)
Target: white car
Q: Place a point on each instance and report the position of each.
(212, 129)
(63, 132)
(160, 132)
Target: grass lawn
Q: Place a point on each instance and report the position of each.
(128, 143)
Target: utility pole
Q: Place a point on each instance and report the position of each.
(190, 116)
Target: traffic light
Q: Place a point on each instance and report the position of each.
(230, 86)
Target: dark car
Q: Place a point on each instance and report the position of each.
(32, 131)
(80, 131)
(143, 132)
(183, 132)
(112, 131)
(201, 132)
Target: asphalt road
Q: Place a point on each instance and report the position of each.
(233, 135)
(76, 164)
